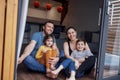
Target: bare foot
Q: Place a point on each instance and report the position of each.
(48, 70)
(71, 78)
(53, 67)
(55, 72)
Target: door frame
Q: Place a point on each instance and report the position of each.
(9, 26)
(2, 14)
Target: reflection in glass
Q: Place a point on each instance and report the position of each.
(112, 56)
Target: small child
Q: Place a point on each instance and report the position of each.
(46, 51)
(80, 53)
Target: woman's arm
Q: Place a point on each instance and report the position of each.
(66, 51)
(87, 47)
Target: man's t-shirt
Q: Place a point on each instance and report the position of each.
(38, 37)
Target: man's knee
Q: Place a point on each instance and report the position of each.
(28, 59)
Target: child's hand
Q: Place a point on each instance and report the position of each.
(44, 51)
(76, 64)
(86, 57)
(81, 60)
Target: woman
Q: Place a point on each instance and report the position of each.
(70, 45)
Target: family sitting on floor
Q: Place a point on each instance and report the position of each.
(42, 54)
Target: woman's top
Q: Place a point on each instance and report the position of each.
(70, 50)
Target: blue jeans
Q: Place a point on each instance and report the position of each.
(32, 64)
(68, 63)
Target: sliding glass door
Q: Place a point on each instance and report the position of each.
(109, 53)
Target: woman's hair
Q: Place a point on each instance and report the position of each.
(47, 37)
(71, 27)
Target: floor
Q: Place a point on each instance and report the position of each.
(24, 74)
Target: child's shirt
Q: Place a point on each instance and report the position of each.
(77, 55)
(39, 53)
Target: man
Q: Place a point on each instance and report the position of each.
(28, 56)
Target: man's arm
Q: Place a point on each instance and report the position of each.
(29, 48)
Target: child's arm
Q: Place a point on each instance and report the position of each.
(77, 64)
(73, 57)
(39, 53)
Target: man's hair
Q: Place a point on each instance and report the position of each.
(47, 37)
(48, 22)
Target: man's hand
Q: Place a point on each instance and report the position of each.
(53, 60)
(20, 60)
(54, 47)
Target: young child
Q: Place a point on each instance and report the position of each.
(80, 53)
(46, 51)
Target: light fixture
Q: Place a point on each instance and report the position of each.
(36, 4)
(59, 9)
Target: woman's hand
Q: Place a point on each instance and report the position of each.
(44, 51)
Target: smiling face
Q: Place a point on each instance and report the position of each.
(72, 34)
(49, 42)
(80, 46)
(48, 28)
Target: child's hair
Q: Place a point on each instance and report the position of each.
(47, 37)
(81, 39)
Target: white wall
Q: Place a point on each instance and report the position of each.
(83, 14)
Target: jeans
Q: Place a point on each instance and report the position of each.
(32, 64)
(84, 68)
(68, 63)
(69, 66)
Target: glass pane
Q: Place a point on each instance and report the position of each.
(112, 56)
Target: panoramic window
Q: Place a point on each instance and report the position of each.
(112, 58)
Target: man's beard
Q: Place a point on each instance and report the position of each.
(46, 33)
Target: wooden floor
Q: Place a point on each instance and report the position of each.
(25, 74)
